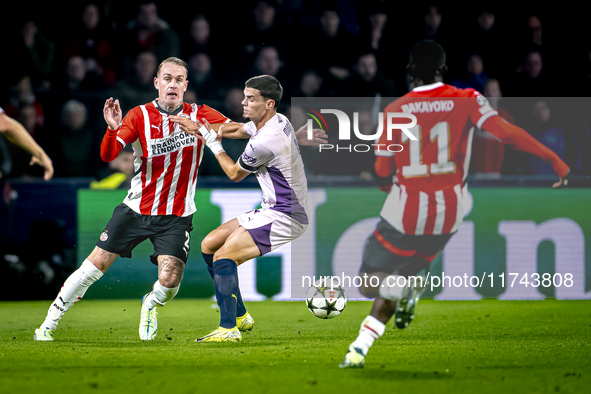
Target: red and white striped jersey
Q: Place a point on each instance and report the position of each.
(166, 158)
(431, 170)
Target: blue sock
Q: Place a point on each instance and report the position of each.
(209, 261)
(240, 308)
(225, 278)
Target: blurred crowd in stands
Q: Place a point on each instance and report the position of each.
(61, 61)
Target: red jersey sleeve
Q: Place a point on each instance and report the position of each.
(211, 115)
(115, 140)
(521, 140)
(481, 110)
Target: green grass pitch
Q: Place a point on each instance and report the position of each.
(483, 347)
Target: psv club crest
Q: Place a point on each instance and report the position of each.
(104, 236)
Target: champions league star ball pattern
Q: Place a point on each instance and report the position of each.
(324, 302)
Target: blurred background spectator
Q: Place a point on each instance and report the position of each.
(233, 108)
(118, 174)
(203, 79)
(91, 40)
(149, 32)
(77, 78)
(474, 75)
(367, 80)
(545, 128)
(487, 38)
(139, 88)
(311, 85)
(532, 80)
(21, 96)
(327, 45)
(36, 55)
(199, 37)
(260, 30)
(316, 49)
(76, 146)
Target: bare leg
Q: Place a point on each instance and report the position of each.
(170, 273)
(239, 247)
(216, 239)
(102, 259)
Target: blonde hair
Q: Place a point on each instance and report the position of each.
(175, 61)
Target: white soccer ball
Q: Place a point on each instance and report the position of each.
(326, 302)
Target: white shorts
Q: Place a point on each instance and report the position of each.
(270, 229)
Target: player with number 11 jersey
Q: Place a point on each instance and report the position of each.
(431, 171)
(426, 188)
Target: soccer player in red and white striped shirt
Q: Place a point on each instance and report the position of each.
(160, 203)
(426, 185)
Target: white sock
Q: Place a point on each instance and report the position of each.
(371, 329)
(391, 287)
(160, 295)
(71, 292)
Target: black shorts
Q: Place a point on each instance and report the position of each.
(126, 229)
(388, 250)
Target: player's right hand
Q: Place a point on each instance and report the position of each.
(212, 139)
(563, 182)
(45, 162)
(112, 113)
(318, 137)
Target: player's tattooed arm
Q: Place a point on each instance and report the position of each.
(170, 271)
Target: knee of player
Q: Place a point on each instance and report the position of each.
(204, 247)
(207, 245)
(218, 255)
(170, 271)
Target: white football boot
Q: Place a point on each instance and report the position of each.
(148, 322)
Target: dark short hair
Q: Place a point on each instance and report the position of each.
(269, 87)
(426, 58)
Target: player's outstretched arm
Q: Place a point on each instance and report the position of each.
(213, 141)
(230, 130)
(523, 141)
(318, 137)
(18, 135)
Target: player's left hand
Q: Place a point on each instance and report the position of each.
(187, 125)
(45, 162)
(563, 182)
(318, 136)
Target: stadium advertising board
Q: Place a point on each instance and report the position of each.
(514, 243)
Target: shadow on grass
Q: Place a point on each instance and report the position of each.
(380, 373)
